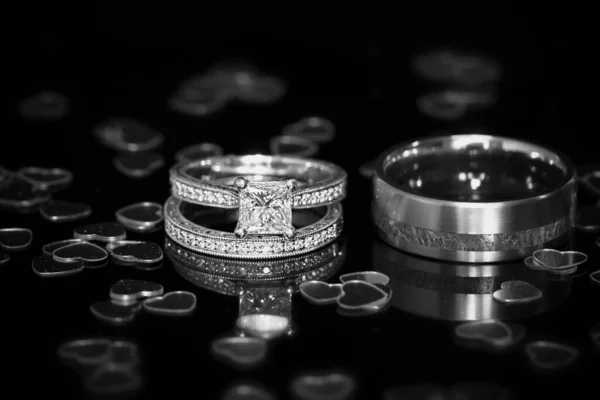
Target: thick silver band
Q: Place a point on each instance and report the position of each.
(475, 230)
(208, 182)
(210, 241)
(217, 272)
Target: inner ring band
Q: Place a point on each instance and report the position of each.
(514, 215)
(207, 181)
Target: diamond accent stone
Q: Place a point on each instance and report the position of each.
(265, 208)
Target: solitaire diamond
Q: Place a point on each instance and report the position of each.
(265, 209)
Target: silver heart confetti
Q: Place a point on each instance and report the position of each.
(517, 292)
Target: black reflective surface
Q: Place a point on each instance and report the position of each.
(411, 343)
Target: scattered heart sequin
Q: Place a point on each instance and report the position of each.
(588, 219)
(49, 248)
(293, 146)
(64, 211)
(456, 67)
(264, 326)
(517, 292)
(595, 277)
(113, 379)
(139, 165)
(314, 129)
(557, 260)
(4, 257)
(240, 351)
(19, 193)
(318, 292)
(92, 351)
(124, 353)
(261, 90)
(141, 217)
(114, 312)
(127, 134)
(367, 170)
(12, 239)
(591, 181)
(136, 252)
(452, 105)
(84, 252)
(200, 96)
(363, 312)
(46, 178)
(323, 386)
(129, 290)
(491, 331)
(549, 356)
(44, 106)
(103, 232)
(46, 267)
(198, 151)
(359, 295)
(531, 263)
(245, 391)
(373, 277)
(173, 303)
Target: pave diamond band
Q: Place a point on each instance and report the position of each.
(191, 226)
(214, 272)
(209, 181)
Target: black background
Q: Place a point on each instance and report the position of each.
(126, 61)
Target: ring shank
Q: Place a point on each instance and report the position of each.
(477, 230)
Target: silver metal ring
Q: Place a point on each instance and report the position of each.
(188, 225)
(473, 198)
(218, 273)
(210, 181)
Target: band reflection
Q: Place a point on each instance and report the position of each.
(265, 300)
(462, 292)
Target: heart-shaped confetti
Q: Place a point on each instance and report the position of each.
(19, 193)
(127, 134)
(363, 312)
(491, 331)
(49, 248)
(240, 351)
(531, 263)
(517, 292)
(367, 170)
(114, 312)
(556, 259)
(591, 181)
(264, 326)
(323, 386)
(64, 211)
(129, 290)
(595, 277)
(84, 252)
(244, 391)
(139, 165)
(113, 379)
(588, 219)
(359, 295)
(200, 96)
(136, 252)
(315, 129)
(46, 178)
(124, 353)
(263, 90)
(141, 217)
(318, 292)
(44, 106)
(91, 351)
(293, 146)
(373, 277)
(46, 267)
(198, 151)
(454, 67)
(12, 239)
(442, 107)
(547, 355)
(173, 303)
(4, 257)
(103, 232)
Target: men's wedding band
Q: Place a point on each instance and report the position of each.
(209, 181)
(473, 198)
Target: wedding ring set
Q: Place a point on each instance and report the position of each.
(255, 206)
